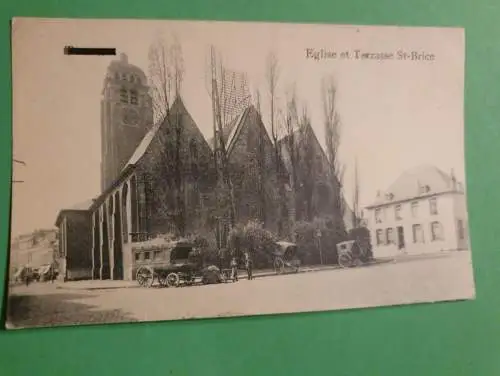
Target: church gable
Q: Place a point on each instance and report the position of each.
(315, 196)
(161, 144)
(177, 170)
(253, 172)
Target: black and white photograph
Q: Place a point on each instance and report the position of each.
(170, 170)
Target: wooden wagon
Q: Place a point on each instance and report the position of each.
(171, 263)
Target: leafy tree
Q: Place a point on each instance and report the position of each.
(254, 239)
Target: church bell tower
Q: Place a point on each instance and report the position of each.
(126, 116)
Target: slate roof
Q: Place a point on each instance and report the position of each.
(418, 181)
(177, 106)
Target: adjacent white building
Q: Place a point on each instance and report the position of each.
(423, 211)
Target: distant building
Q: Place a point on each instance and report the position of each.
(74, 242)
(424, 211)
(34, 249)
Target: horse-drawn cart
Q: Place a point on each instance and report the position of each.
(352, 253)
(171, 263)
(285, 256)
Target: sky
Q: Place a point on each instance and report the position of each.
(395, 114)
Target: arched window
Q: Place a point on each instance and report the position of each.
(123, 95)
(133, 97)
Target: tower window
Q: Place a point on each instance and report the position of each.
(117, 76)
(133, 97)
(123, 95)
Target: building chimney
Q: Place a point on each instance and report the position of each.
(124, 58)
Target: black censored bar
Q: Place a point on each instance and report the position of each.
(69, 50)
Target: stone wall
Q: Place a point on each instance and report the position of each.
(79, 245)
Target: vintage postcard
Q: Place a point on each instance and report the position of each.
(167, 170)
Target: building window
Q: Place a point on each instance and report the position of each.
(378, 215)
(124, 76)
(414, 209)
(123, 95)
(380, 237)
(147, 255)
(397, 212)
(461, 229)
(389, 236)
(424, 189)
(418, 234)
(436, 231)
(433, 206)
(137, 256)
(133, 97)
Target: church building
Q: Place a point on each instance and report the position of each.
(160, 178)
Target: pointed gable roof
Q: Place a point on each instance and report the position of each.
(228, 130)
(245, 119)
(177, 107)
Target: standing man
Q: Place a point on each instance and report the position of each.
(234, 269)
(249, 265)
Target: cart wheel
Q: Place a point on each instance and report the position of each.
(173, 280)
(162, 280)
(278, 265)
(145, 277)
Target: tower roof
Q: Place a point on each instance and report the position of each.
(122, 65)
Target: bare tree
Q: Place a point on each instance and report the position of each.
(332, 137)
(272, 77)
(290, 145)
(356, 215)
(229, 93)
(307, 167)
(166, 72)
(257, 101)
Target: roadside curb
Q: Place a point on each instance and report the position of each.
(243, 277)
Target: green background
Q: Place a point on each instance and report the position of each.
(461, 338)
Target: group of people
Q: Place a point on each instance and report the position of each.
(248, 267)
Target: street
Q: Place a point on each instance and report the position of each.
(409, 280)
